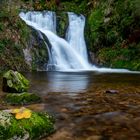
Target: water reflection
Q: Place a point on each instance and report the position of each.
(72, 82)
(59, 81)
(64, 82)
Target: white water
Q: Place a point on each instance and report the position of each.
(75, 34)
(64, 55)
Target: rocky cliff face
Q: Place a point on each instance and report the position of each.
(13, 37)
(20, 46)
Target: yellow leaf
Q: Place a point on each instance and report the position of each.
(19, 116)
(21, 113)
(27, 114)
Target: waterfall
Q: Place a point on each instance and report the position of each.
(69, 54)
(75, 34)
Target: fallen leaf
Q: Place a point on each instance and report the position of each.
(21, 113)
(19, 116)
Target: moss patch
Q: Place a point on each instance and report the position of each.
(22, 98)
(14, 34)
(40, 124)
(121, 57)
(112, 27)
(13, 81)
(62, 23)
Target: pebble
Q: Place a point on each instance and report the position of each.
(112, 91)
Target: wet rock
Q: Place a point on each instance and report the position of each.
(62, 135)
(22, 98)
(35, 127)
(93, 58)
(112, 91)
(94, 138)
(63, 116)
(64, 110)
(14, 82)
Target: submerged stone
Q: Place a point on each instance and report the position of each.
(35, 127)
(112, 91)
(14, 82)
(22, 98)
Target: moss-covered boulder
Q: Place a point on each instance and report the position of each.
(14, 82)
(22, 99)
(35, 127)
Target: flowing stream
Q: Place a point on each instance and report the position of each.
(82, 108)
(69, 54)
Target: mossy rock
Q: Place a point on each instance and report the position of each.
(14, 82)
(35, 127)
(22, 98)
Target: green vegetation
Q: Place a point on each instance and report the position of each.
(121, 57)
(62, 23)
(13, 37)
(22, 98)
(17, 85)
(35, 127)
(113, 33)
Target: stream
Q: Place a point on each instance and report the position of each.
(82, 108)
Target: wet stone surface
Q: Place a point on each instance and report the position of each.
(97, 116)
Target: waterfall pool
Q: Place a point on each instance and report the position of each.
(82, 108)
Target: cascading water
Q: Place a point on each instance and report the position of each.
(75, 34)
(64, 55)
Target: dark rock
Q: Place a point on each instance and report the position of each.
(112, 91)
(92, 57)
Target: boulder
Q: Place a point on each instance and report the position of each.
(33, 127)
(14, 82)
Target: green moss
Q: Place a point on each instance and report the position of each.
(40, 124)
(111, 22)
(13, 81)
(112, 26)
(121, 57)
(62, 23)
(38, 51)
(22, 98)
(14, 35)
